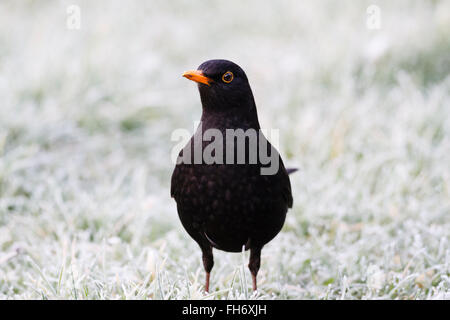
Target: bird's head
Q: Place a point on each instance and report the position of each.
(223, 86)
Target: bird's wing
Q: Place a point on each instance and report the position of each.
(179, 175)
(178, 180)
(174, 182)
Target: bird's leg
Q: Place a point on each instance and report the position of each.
(254, 263)
(208, 263)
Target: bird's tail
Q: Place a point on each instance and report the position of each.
(291, 170)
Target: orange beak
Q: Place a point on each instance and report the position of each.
(197, 76)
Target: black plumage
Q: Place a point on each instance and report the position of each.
(228, 206)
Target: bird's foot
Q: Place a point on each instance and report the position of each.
(207, 282)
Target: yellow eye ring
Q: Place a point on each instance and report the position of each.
(227, 77)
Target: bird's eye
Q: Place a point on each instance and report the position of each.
(227, 77)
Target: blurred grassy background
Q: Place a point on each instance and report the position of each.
(85, 123)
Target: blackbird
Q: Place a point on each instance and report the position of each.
(229, 205)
